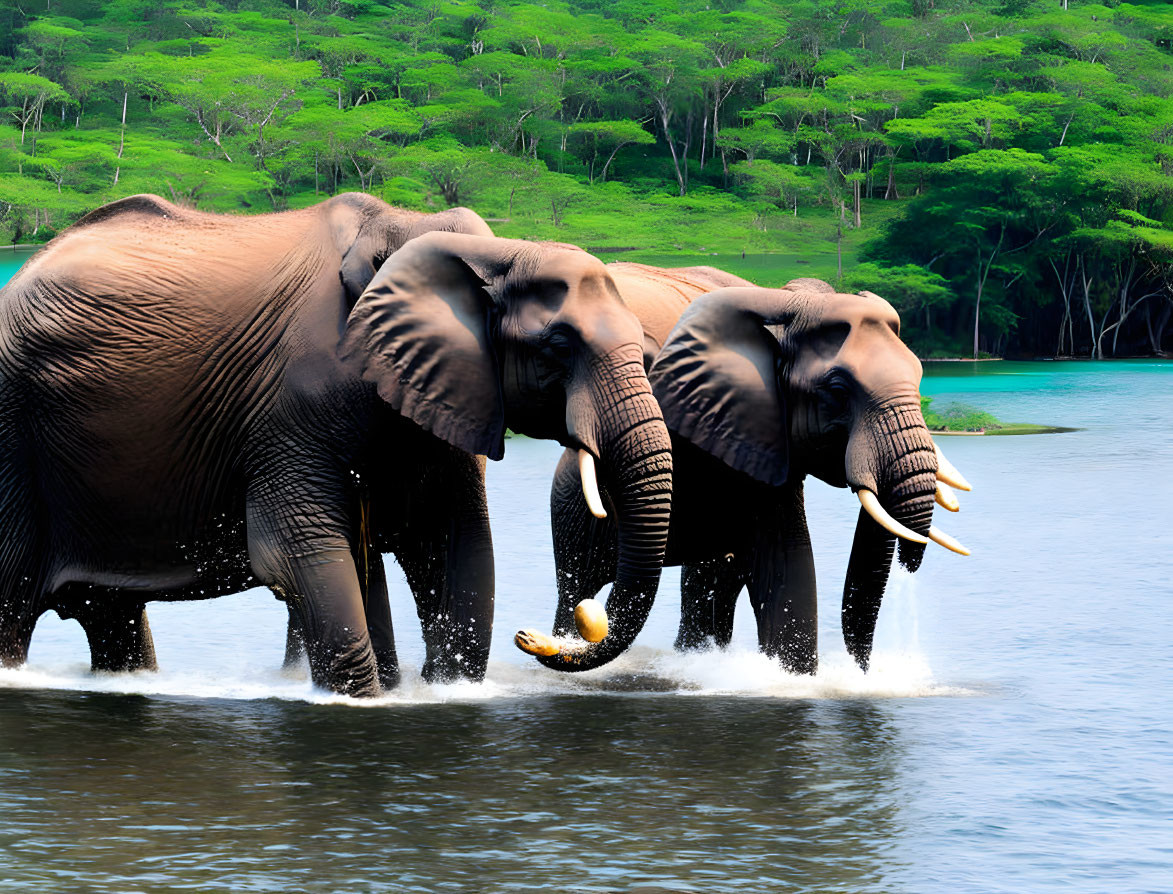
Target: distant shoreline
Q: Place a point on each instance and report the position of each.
(1007, 430)
(958, 359)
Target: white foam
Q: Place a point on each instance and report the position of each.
(247, 667)
(732, 672)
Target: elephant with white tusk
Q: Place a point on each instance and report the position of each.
(193, 404)
(760, 388)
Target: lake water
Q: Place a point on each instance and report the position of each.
(1013, 736)
(11, 260)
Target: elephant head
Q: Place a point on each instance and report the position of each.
(781, 383)
(366, 231)
(468, 335)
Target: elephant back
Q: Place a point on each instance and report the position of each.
(659, 295)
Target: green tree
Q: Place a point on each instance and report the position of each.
(591, 139)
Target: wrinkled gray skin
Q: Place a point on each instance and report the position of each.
(759, 388)
(193, 404)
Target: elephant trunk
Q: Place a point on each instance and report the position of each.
(635, 462)
(890, 454)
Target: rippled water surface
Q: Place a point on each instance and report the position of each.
(1014, 734)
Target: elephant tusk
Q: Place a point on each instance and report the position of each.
(590, 485)
(871, 503)
(945, 497)
(948, 473)
(946, 541)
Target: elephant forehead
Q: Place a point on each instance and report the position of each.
(878, 358)
(862, 310)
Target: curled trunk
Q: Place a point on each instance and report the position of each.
(891, 455)
(635, 461)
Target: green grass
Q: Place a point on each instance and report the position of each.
(704, 227)
(960, 419)
(1026, 428)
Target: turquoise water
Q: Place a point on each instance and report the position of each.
(1013, 736)
(11, 261)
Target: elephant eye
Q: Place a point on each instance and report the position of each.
(562, 349)
(837, 394)
(559, 346)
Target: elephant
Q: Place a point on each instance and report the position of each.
(657, 296)
(760, 388)
(194, 404)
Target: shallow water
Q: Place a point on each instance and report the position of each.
(1014, 734)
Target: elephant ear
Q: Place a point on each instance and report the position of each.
(358, 267)
(716, 379)
(421, 333)
(358, 226)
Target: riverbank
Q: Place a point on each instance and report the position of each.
(1009, 428)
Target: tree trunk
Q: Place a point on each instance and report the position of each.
(1157, 333)
(981, 284)
(1087, 303)
(121, 137)
(839, 246)
(611, 158)
(704, 137)
(1065, 290)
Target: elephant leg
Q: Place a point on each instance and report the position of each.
(17, 621)
(117, 629)
(446, 552)
(21, 605)
(585, 548)
(378, 615)
(708, 596)
(782, 587)
(22, 575)
(294, 641)
(299, 547)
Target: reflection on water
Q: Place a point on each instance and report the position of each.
(587, 794)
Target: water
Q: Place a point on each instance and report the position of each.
(11, 260)
(1014, 734)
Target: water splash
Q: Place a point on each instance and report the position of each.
(732, 672)
(898, 670)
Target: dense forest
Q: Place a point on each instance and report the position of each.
(1001, 170)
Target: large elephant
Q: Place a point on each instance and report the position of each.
(759, 388)
(192, 404)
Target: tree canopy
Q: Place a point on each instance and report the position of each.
(1001, 170)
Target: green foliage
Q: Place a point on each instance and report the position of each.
(958, 417)
(1003, 167)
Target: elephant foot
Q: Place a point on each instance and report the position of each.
(388, 678)
(346, 672)
(803, 663)
(694, 641)
(119, 635)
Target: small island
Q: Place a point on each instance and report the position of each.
(961, 419)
